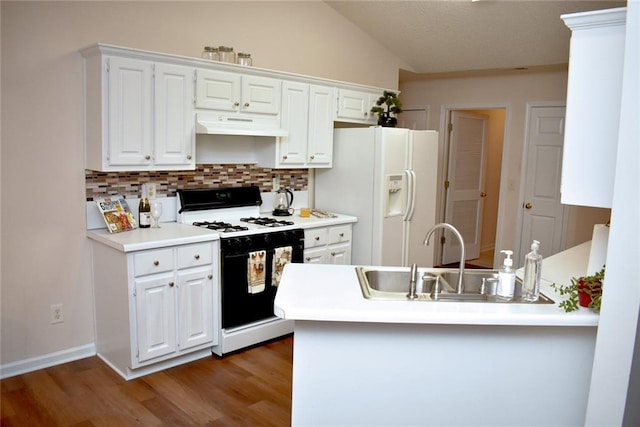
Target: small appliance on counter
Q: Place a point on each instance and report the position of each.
(283, 202)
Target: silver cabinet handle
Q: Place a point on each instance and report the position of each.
(246, 105)
(236, 104)
(188, 156)
(312, 157)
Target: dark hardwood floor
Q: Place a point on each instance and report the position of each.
(248, 388)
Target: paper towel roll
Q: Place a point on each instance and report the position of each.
(598, 253)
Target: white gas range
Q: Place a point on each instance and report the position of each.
(253, 250)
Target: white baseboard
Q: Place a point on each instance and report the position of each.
(51, 359)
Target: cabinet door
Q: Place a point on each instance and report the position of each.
(356, 105)
(195, 301)
(261, 95)
(322, 101)
(315, 255)
(295, 119)
(129, 111)
(217, 90)
(174, 124)
(155, 300)
(339, 254)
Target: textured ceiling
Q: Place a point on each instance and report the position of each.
(462, 36)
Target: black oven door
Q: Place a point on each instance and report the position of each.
(243, 303)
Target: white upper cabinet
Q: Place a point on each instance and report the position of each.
(235, 93)
(138, 114)
(144, 109)
(174, 134)
(355, 106)
(308, 112)
(594, 92)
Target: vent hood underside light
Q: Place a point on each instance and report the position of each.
(229, 125)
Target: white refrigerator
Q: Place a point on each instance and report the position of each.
(387, 178)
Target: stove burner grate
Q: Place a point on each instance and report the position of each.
(266, 222)
(224, 227)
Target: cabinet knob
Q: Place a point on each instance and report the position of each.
(284, 157)
(188, 156)
(156, 263)
(210, 276)
(171, 284)
(333, 254)
(147, 157)
(312, 157)
(341, 234)
(246, 105)
(236, 104)
(307, 259)
(196, 256)
(317, 238)
(528, 205)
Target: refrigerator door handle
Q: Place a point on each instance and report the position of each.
(411, 194)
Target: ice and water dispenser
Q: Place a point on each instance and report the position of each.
(394, 196)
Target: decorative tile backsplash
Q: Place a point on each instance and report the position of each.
(204, 176)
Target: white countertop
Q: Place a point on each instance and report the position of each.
(173, 233)
(170, 234)
(319, 292)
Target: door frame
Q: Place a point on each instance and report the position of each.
(443, 158)
(523, 176)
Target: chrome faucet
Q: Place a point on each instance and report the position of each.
(413, 278)
(451, 228)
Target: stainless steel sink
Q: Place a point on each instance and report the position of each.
(434, 284)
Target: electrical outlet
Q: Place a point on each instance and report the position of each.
(56, 313)
(151, 190)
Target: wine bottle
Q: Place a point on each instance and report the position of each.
(144, 209)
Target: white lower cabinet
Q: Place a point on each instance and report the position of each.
(155, 308)
(328, 245)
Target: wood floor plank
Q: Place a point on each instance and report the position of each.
(248, 388)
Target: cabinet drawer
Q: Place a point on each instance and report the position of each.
(315, 237)
(340, 234)
(195, 255)
(151, 262)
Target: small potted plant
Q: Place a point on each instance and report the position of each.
(392, 105)
(584, 291)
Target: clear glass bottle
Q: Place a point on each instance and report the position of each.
(210, 53)
(244, 58)
(532, 274)
(227, 54)
(506, 279)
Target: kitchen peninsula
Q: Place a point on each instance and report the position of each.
(367, 362)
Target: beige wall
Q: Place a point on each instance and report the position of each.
(512, 92)
(45, 258)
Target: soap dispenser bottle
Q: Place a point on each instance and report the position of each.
(532, 271)
(506, 279)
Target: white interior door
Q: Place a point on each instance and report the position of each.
(413, 119)
(465, 177)
(543, 214)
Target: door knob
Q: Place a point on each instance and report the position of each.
(528, 205)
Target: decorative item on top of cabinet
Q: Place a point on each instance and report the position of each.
(387, 106)
(355, 106)
(138, 113)
(328, 245)
(308, 112)
(594, 91)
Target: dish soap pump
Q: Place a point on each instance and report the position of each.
(532, 271)
(506, 279)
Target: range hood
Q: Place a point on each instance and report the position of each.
(218, 124)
